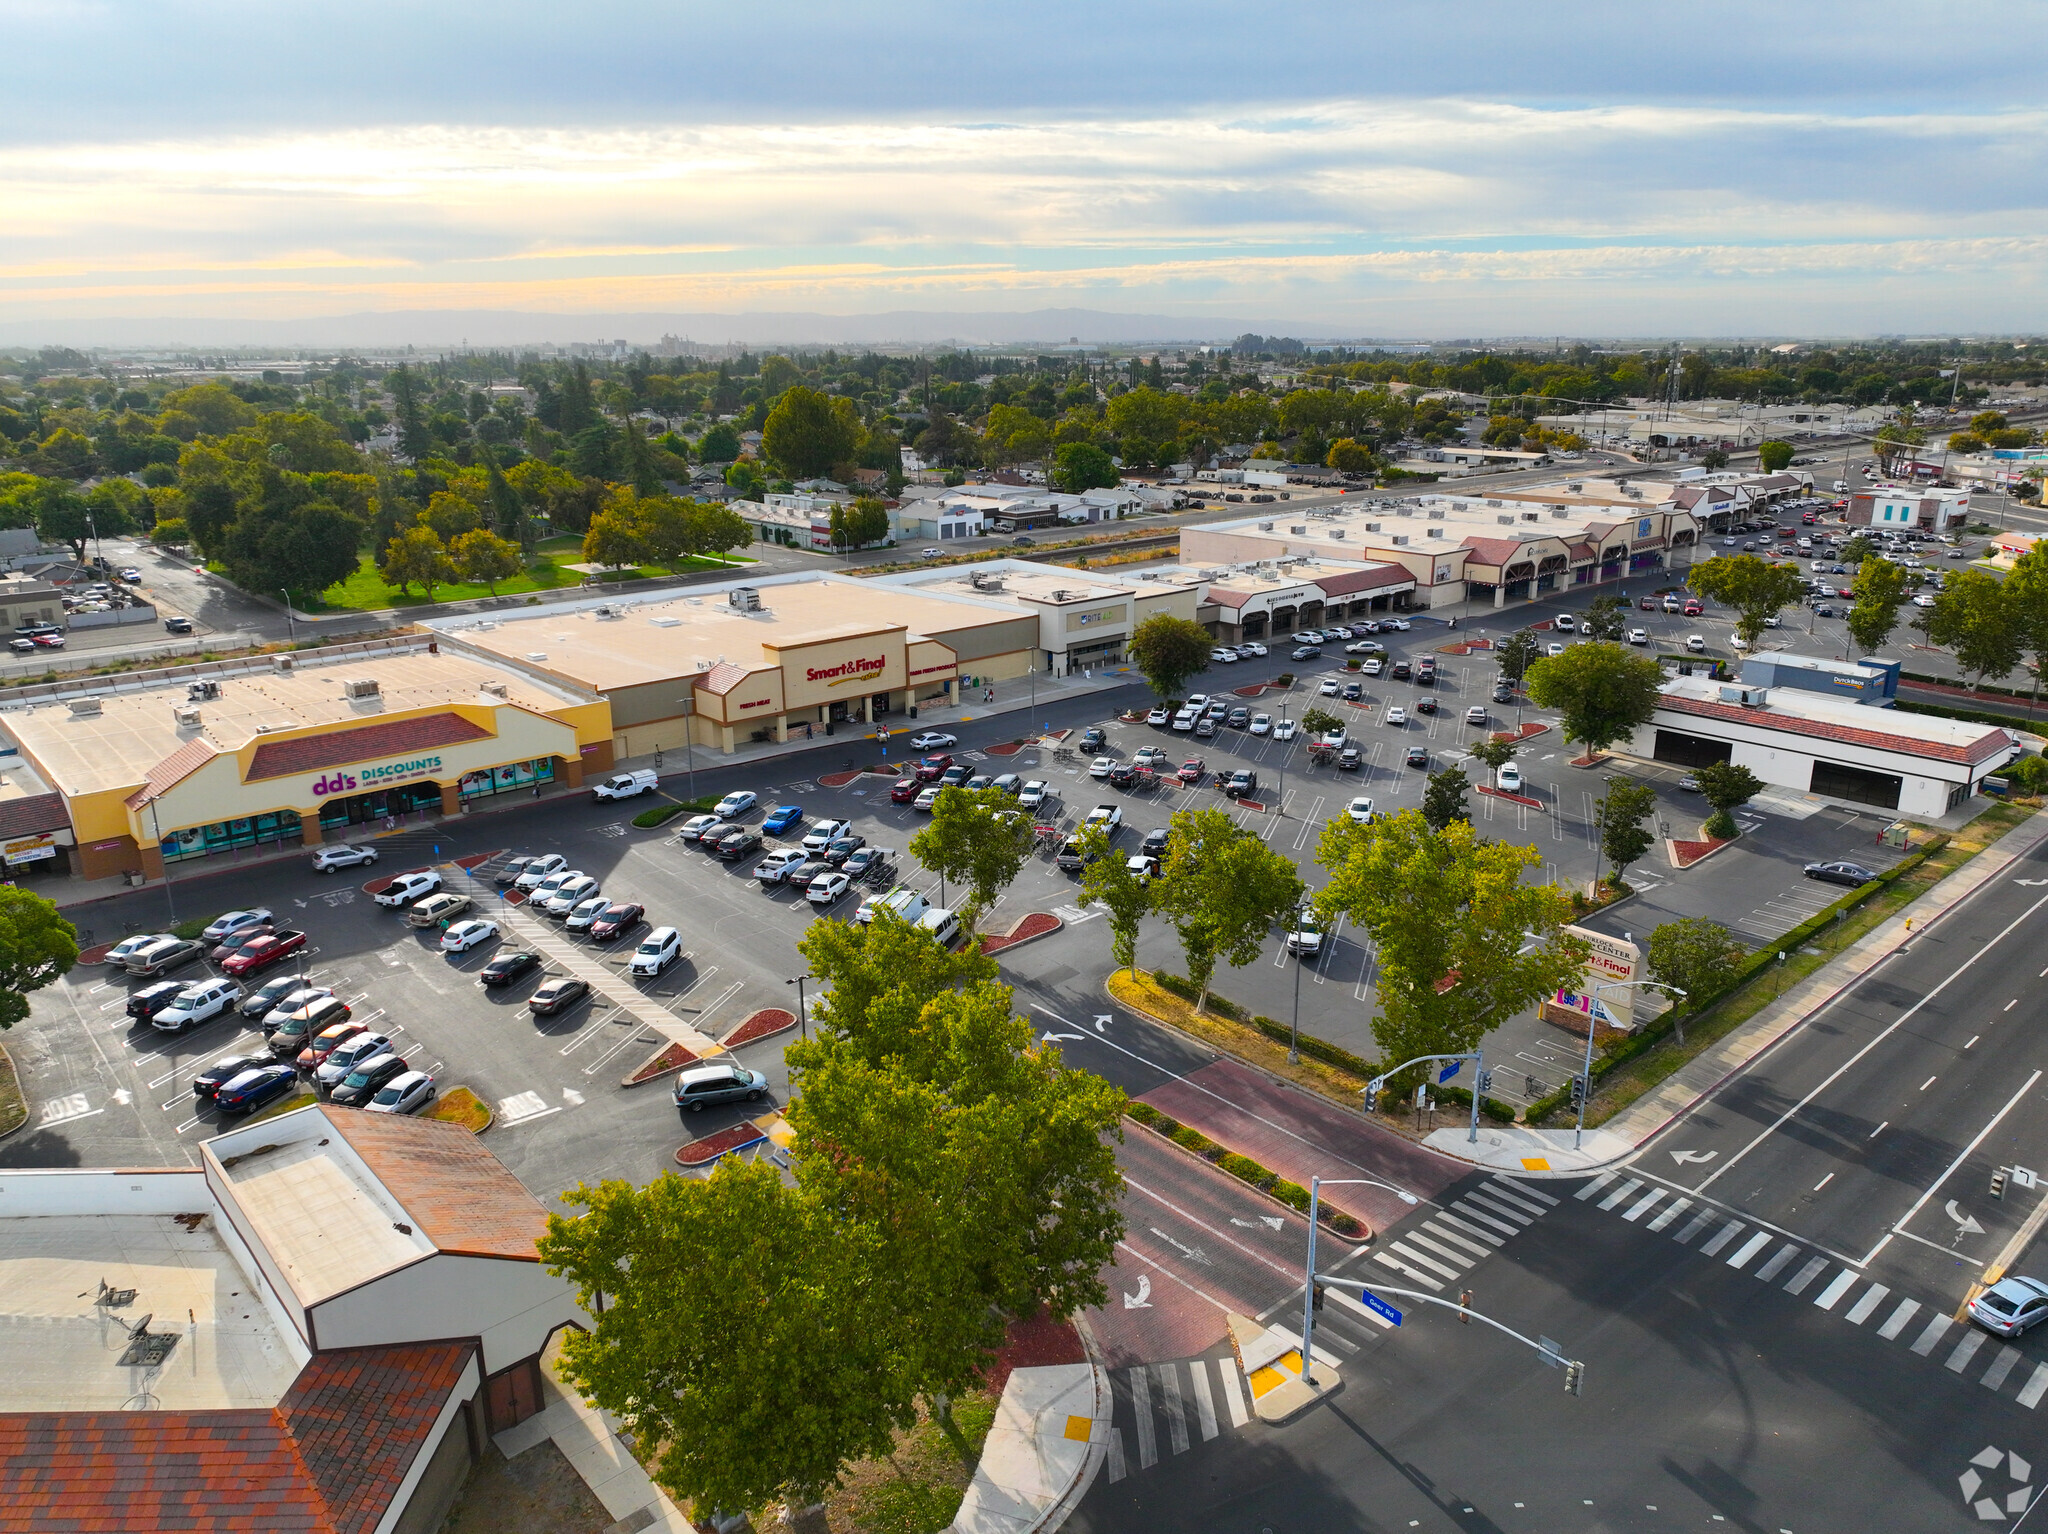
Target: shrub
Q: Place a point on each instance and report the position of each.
(1243, 1168)
(1191, 1139)
(1293, 1194)
(1339, 1221)
(1144, 1113)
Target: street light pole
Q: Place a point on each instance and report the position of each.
(1308, 1293)
(170, 905)
(689, 741)
(291, 628)
(1294, 1026)
(802, 1011)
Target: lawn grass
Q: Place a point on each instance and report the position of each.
(916, 1488)
(305, 1097)
(368, 591)
(459, 1105)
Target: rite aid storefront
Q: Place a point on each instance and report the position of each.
(324, 783)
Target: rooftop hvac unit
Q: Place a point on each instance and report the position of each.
(1401, 540)
(1336, 532)
(1404, 511)
(1436, 532)
(497, 689)
(1574, 486)
(536, 655)
(609, 610)
(1372, 527)
(1506, 521)
(364, 688)
(188, 716)
(201, 692)
(1559, 512)
(84, 705)
(1746, 697)
(666, 622)
(1265, 527)
(1300, 530)
(1436, 513)
(1494, 504)
(746, 599)
(283, 663)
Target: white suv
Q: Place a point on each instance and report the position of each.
(657, 951)
(342, 855)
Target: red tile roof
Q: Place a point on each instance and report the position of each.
(328, 1459)
(1369, 579)
(724, 677)
(1495, 551)
(366, 743)
(33, 815)
(1991, 743)
(462, 1198)
(1223, 597)
(173, 769)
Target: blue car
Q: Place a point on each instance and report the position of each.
(782, 818)
(252, 1089)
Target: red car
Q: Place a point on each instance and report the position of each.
(1192, 770)
(904, 791)
(1648, 604)
(48, 641)
(931, 768)
(262, 952)
(1693, 609)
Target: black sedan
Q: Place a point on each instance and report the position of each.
(207, 1084)
(1305, 652)
(366, 1080)
(255, 1087)
(558, 995)
(739, 842)
(616, 919)
(505, 968)
(1854, 875)
(1418, 756)
(152, 999)
(840, 848)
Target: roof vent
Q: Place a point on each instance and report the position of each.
(201, 691)
(666, 622)
(364, 687)
(83, 706)
(188, 716)
(498, 689)
(746, 599)
(536, 655)
(283, 663)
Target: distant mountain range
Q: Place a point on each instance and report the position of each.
(439, 329)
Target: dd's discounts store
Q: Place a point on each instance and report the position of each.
(206, 761)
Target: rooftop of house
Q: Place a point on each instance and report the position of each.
(680, 636)
(137, 727)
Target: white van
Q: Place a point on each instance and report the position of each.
(941, 924)
(903, 900)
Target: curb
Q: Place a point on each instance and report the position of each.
(15, 1070)
(490, 1117)
(1004, 942)
(1322, 1228)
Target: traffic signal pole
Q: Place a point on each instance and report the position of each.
(1574, 1369)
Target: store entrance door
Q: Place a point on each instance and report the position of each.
(384, 804)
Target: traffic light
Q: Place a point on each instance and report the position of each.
(1315, 1297)
(1465, 1306)
(1574, 1374)
(1578, 1091)
(1486, 1081)
(1998, 1181)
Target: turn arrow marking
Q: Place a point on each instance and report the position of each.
(2031, 883)
(1967, 1226)
(1265, 1219)
(1053, 1038)
(1681, 1157)
(1101, 1020)
(1142, 1300)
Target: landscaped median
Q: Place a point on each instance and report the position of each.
(1247, 1171)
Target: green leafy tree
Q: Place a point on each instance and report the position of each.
(1167, 651)
(1727, 787)
(306, 550)
(1079, 466)
(978, 840)
(1714, 458)
(1494, 753)
(1697, 956)
(1619, 818)
(1349, 456)
(508, 512)
(1602, 692)
(808, 432)
(721, 444)
(1755, 588)
(1443, 798)
(170, 532)
(481, 556)
(1320, 721)
(614, 540)
(2026, 602)
(1858, 549)
(1109, 881)
(1972, 618)
(37, 946)
(415, 442)
(1880, 590)
(417, 557)
(1773, 456)
(1516, 652)
(1606, 617)
(666, 528)
(716, 529)
(1462, 940)
(1222, 889)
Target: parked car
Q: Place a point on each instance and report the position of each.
(369, 1077)
(1360, 810)
(657, 951)
(776, 866)
(406, 888)
(702, 1086)
(1011, 784)
(343, 1059)
(1305, 935)
(197, 1004)
(1158, 716)
(933, 740)
(161, 958)
(537, 872)
(1350, 759)
(930, 768)
(324, 1043)
(903, 790)
(568, 895)
(342, 855)
(585, 913)
(1853, 875)
(407, 1092)
(827, 887)
(209, 1081)
(624, 785)
(1638, 636)
(1242, 782)
(227, 925)
(1261, 724)
(255, 1087)
(267, 995)
(1033, 795)
(1418, 756)
(739, 842)
(783, 818)
(863, 862)
(510, 870)
(1397, 716)
(1509, 779)
(696, 826)
(840, 848)
(1122, 774)
(119, 955)
(927, 798)
(1305, 652)
(465, 935)
(505, 968)
(557, 995)
(296, 1001)
(437, 910)
(262, 952)
(1286, 729)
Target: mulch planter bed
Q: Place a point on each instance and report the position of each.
(760, 1025)
(670, 1057)
(1036, 924)
(724, 1143)
(1686, 853)
(1501, 793)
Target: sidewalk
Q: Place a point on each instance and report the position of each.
(589, 1440)
(1051, 1435)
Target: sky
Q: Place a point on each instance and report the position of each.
(1398, 170)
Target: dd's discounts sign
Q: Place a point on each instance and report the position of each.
(369, 779)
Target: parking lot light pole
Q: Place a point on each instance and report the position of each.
(1294, 1027)
(1308, 1293)
(802, 1011)
(290, 627)
(689, 741)
(1592, 1021)
(157, 830)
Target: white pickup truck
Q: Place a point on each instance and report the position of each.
(624, 785)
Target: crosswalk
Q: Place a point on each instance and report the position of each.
(1926, 1329)
(1172, 1405)
(1437, 1250)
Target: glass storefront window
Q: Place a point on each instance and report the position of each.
(190, 842)
(509, 779)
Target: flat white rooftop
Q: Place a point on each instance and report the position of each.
(62, 1352)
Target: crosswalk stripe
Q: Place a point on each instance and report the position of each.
(1451, 1254)
(1516, 1197)
(1401, 1267)
(1722, 1237)
(1671, 1212)
(1233, 1391)
(2035, 1387)
(1176, 1414)
(1500, 1207)
(1595, 1185)
(1343, 1297)
(1117, 1470)
(1643, 1205)
(1838, 1286)
(1699, 1223)
(1484, 1235)
(1936, 1325)
(1523, 1190)
(2001, 1366)
(1815, 1266)
(1442, 1233)
(1896, 1321)
(1428, 1262)
(1472, 1211)
(1966, 1350)
(1867, 1302)
(1205, 1403)
(1621, 1193)
(1141, 1403)
(1776, 1265)
(1327, 1333)
(1739, 1259)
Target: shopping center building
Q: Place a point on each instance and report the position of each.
(196, 761)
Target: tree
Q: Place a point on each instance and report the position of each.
(1167, 651)
(415, 442)
(1222, 889)
(1605, 617)
(639, 461)
(667, 530)
(717, 529)
(306, 550)
(1601, 691)
(170, 532)
(508, 512)
(37, 946)
(1858, 549)
(1754, 587)
(1714, 458)
(1726, 787)
(1618, 817)
(977, 839)
(1443, 798)
(808, 432)
(482, 556)
(1880, 589)
(2026, 602)
(1494, 752)
(1516, 652)
(867, 522)
(58, 512)
(1972, 617)
(1109, 881)
(1079, 466)
(1696, 956)
(614, 540)
(1320, 721)
(721, 444)
(417, 557)
(1349, 456)
(1463, 942)
(1773, 456)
